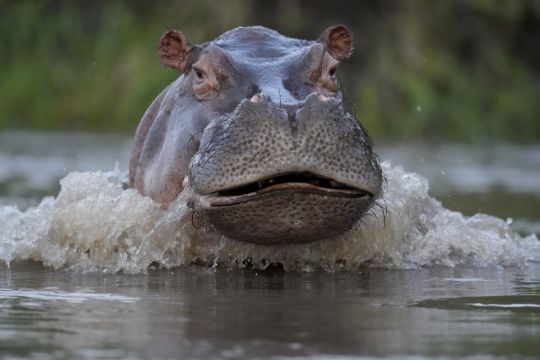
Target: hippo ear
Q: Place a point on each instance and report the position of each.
(337, 40)
(174, 48)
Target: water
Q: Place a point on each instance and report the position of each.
(419, 281)
(199, 313)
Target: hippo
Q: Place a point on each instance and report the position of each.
(255, 131)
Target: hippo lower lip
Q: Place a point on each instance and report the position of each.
(291, 207)
(291, 182)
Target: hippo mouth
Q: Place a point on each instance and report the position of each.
(305, 182)
(295, 207)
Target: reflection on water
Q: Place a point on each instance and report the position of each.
(37, 297)
(521, 303)
(199, 313)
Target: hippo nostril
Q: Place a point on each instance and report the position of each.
(256, 98)
(313, 99)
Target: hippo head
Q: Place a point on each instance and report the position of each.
(279, 159)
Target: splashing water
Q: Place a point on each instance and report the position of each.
(93, 224)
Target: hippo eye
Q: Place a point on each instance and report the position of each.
(332, 72)
(198, 73)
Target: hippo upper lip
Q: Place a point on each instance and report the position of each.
(303, 181)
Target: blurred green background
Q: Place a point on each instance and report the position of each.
(440, 70)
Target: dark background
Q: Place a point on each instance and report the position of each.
(431, 70)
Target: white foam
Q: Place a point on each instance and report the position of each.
(504, 306)
(466, 279)
(46, 295)
(93, 224)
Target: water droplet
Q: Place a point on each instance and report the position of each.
(418, 108)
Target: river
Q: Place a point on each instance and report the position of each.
(100, 272)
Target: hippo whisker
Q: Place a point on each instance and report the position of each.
(380, 203)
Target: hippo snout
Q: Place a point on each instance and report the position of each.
(278, 174)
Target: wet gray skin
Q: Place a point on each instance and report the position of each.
(256, 130)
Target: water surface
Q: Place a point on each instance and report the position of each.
(351, 299)
(199, 313)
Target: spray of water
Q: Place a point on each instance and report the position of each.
(95, 225)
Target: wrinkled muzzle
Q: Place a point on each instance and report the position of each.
(270, 174)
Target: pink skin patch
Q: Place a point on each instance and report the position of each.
(255, 98)
(185, 182)
(323, 98)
